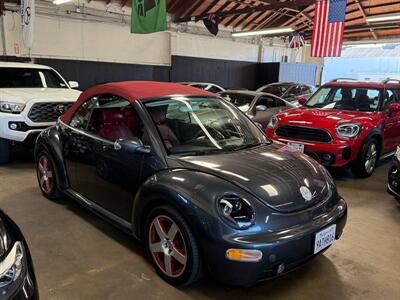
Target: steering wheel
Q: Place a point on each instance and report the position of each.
(215, 133)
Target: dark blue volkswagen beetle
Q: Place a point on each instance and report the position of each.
(191, 176)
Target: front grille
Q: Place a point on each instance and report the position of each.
(304, 133)
(48, 111)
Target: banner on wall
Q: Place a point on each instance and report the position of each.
(148, 16)
(28, 22)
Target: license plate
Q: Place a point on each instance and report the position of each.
(298, 147)
(324, 238)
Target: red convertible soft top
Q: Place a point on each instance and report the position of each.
(135, 91)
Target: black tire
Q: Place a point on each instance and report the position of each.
(359, 167)
(5, 151)
(193, 269)
(52, 193)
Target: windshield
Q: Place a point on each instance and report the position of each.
(202, 125)
(30, 78)
(275, 89)
(345, 98)
(242, 101)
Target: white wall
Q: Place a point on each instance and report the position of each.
(71, 38)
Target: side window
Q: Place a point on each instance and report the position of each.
(267, 101)
(114, 118)
(305, 90)
(80, 120)
(280, 103)
(391, 96)
(214, 89)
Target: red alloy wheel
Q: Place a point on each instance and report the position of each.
(45, 174)
(167, 246)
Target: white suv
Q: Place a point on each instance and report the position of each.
(32, 97)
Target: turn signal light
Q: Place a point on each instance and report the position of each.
(244, 255)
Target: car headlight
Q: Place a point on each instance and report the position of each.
(236, 211)
(12, 266)
(11, 107)
(273, 122)
(349, 130)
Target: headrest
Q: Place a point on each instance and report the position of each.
(111, 115)
(157, 115)
(131, 117)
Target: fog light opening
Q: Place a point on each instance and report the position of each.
(13, 126)
(245, 255)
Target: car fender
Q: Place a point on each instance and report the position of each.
(192, 193)
(50, 140)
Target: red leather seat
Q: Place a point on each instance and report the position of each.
(112, 125)
(166, 133)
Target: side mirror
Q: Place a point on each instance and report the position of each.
(302, 101)
(134, 145)
(73, 84)
(261, 108)
(394, 107)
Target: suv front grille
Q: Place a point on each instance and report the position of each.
(304, 133)
(48, 111)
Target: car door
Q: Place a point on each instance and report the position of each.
(391, 131)
(106, 174)
(263, 116)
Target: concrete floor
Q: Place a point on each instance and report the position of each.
(79, 256)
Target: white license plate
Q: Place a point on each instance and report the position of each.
(324, 238)
(298, 147)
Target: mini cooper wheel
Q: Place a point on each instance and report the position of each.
(46, 176)
(367, 159)
(172, 247)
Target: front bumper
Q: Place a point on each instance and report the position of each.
(288, 248)
(342, 152)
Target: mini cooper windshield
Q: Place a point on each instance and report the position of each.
(203, 125)
(345, 98)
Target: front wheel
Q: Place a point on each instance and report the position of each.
(5, 151)
(46, 176)
(172, 247)
(365, 164)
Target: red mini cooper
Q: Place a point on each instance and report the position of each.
(344, 122)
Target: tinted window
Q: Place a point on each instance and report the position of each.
(29, 78)
(346, 98)
(267, 101)
(80, 120)
(242, 101)
(391, 96)
(214, 89)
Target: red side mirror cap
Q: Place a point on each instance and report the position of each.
(302, 101)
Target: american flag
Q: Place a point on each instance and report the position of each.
(296, 40)
(328, 29)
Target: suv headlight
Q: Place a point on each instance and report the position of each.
(236, 211)
(273, 122)
(12, 266)
(11, 107)
(349, 130)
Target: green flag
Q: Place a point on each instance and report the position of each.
(148, 16)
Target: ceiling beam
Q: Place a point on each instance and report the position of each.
(361, 8)
(277, 5)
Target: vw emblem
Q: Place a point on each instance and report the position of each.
(306, 193)
(60, 109)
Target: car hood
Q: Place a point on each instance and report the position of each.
(23, 95)
(279, 176)
(323, 118)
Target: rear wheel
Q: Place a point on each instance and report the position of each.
(46, 176)
(365, 164)
(5, 151)
(172, 247)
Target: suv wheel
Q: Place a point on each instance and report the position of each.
(172, 247)
(5, 151)
(365, 164)
(47, 176)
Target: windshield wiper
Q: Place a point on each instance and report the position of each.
(248, 146)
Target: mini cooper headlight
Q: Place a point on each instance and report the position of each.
(349, 130)
(11, 107)
(11, 267)
(273, 122)
(236, 211)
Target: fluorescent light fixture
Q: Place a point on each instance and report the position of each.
(383, 18)
(59, 2)
(270, 31)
